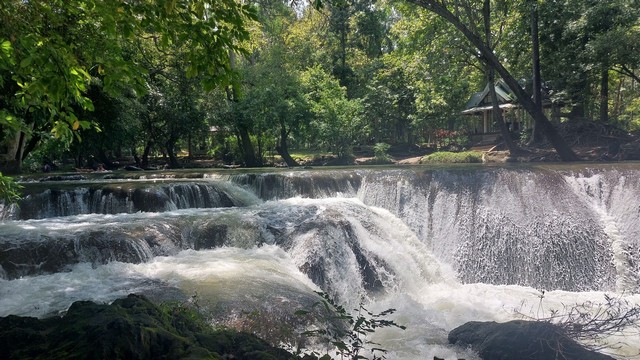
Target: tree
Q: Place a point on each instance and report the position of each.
(338, 120)
(497, 112)
(274, 98)
(439, 70)
(490, 59)
(50, 50)
(581, 43)
(390, 103)
(535, 64)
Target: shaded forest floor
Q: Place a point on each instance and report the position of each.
(411, 155)
(592, 142)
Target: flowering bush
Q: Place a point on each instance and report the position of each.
(450, 139)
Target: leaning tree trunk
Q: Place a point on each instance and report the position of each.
(497, 112)
(248, 152)
(564, 151)
(249, 155)
(283, 147)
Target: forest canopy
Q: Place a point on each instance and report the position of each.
(93, 82)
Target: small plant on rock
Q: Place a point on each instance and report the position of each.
(590, 323)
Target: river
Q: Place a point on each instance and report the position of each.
(441, 245)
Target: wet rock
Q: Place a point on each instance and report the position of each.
(130, 328)
(521, 340)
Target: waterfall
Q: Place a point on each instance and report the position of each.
(130, 197)
(502, 226)
(613, 198)
(311, 184)
(441, 245)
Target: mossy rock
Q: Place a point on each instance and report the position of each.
(446, 157)
(130, 328)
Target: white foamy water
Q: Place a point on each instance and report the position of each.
(245, 278)
(273, 256)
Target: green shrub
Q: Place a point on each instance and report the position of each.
(452, 157)
(9, 190)
(381, 156)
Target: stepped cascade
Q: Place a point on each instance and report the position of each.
(441, 245)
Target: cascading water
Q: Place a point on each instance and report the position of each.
(441, 246)
(128, 197)
(501, 226)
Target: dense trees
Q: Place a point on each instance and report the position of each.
(251, 79)
(53, 50)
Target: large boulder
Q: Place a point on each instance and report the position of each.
(521, 340)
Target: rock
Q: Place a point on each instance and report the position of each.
(521, 340)
(130, 328)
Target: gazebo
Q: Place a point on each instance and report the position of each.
(482, 127)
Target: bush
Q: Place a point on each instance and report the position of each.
(452, 157)
(448, 139)
(380, 153)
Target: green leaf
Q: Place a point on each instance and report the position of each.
(6, 47)
(170, 5)
(26, 62)
(9, 190)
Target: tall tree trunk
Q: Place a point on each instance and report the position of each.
(536, 134)
(104, 159)
(17, 159)
(136, 158)
(604, 94)
(31, 144)
(564, 151)
(497, 115)
(283, 147)
(248, 152)
(170, 147)
(145, 155)
(491, 79)
(190, 146)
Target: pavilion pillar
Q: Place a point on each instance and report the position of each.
(485, 115)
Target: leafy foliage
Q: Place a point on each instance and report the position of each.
(52, 49)
(9, 190)
(337, 121)
(380, 152)
(347, 332)
(153, 77)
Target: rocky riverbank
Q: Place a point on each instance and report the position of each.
(129, 328)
